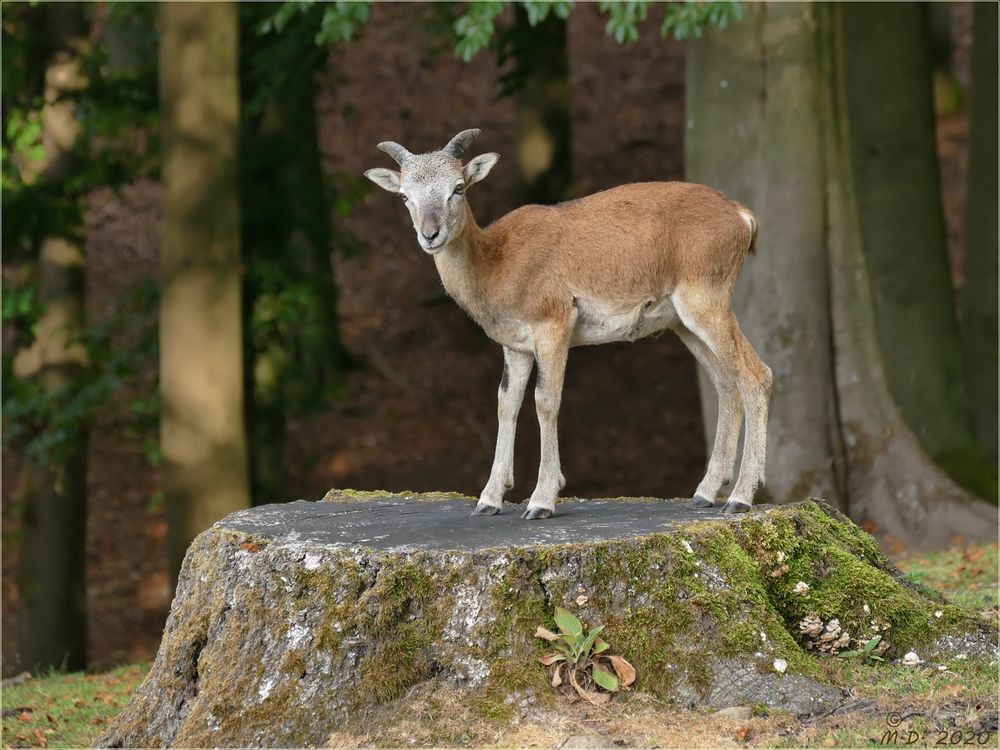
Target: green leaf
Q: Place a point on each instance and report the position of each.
(872, 644)
(605, 679)
(600, 646)
(568, 623)
(588, 642)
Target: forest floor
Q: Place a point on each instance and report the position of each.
(890, 704)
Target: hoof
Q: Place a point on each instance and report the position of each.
(735, 506)
(701, 502)
(485, 509)
(536, 514)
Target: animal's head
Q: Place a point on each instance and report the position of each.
(433, 186)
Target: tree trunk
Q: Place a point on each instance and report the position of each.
(294, 620)
(979, 295)
(891, 480)
(893, 153)
(294, 351)
(52, 495)
(752, 131)
(540, 85)
(805, 302)
(201, 430)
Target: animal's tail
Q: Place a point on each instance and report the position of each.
(747, 215)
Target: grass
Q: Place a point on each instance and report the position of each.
(66, 710)
(967, 576)
(72, 710)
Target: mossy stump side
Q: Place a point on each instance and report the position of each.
(290, 618)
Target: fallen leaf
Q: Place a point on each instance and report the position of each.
(546, 634)
(596, 698)
(745, 734)
(953, 690)
(557, 675)
(98, 720)
(829, 742)
(250, 547)
(80, 704)
(40, 738)
(49, 717)
(27, 715)
(550, 659)
(626, 672)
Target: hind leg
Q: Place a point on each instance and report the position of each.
(708, 315)
(727, 431)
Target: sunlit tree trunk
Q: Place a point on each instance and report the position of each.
(979, 295)
(201, 429)
(52, 495)
(768, 124)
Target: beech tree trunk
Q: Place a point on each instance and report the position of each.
(201, 429)
(753, 132)
(805, 301)
(889, 102)
(979, 295)
(52, 494)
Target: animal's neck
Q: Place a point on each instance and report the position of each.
(465, 260)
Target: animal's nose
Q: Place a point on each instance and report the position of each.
(433, 233)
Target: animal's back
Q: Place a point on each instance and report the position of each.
(629, 242)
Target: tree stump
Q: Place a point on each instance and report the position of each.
(289, 619)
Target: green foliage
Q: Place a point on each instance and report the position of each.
(338, 22)
(624, 19)
(476, 28)
(113, 384)
(689, 19)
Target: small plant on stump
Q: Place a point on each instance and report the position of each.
(868, 652)
(582, 668)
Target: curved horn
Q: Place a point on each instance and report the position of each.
(394, 150)
(457, 146)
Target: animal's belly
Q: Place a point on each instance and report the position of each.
(603, 322)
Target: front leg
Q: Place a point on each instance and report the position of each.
(551, 351)
(516, 370)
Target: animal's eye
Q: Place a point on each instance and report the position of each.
(459, 189)
(404, 198)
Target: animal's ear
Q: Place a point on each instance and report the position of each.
(384, 178)
(479, 167)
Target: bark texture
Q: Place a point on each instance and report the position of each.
(52, 495)
(753, 131)
(893, 157)
(806, 300)
(201, 374)
(979, 294)
(291, 618)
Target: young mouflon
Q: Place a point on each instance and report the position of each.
(614, 266)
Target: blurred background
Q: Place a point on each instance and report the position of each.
(206, 307)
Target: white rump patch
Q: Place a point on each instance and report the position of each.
(748, 218)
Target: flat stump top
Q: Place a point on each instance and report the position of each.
(404, 522)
